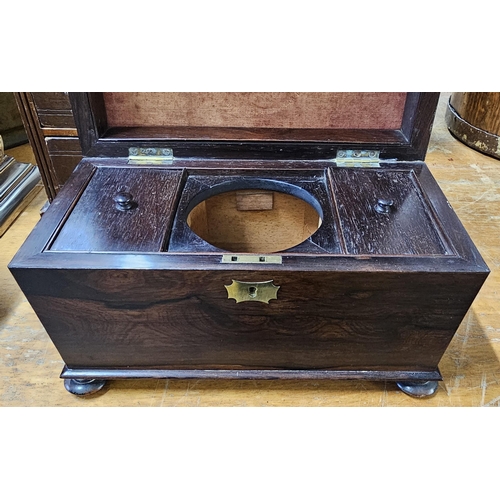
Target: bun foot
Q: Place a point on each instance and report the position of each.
(83, 387)
(417, 389)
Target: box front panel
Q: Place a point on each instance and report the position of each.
(185, 320)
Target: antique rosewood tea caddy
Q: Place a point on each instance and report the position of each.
(251, 235)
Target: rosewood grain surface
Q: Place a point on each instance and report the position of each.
(315, 375)
(220, 137)
(31, 254)
(96, 224)
(183, 319)
(382, 212)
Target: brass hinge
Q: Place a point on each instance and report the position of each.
(357, 158)
(150, 156)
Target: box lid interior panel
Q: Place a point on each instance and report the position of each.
(307, 125)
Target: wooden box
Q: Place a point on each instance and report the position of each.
(251, 235)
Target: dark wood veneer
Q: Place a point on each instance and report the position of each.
(321, 320)
(125, 289)
(465, 256)
(405, 228)
(97, 224)
(116, 373)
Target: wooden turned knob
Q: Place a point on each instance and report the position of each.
(124, 201)
(384, 206)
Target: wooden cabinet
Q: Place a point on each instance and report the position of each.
(48, 120)
(165, 256)
(11, 126)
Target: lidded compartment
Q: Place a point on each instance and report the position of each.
(249, 172)
(121, 210)
(385, 212)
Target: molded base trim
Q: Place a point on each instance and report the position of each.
(128, 373)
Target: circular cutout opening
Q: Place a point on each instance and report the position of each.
(255, 220)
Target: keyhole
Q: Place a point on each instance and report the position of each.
(252, 291)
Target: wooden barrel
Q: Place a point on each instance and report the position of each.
(474, 119)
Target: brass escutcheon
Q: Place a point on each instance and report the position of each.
(243, 291)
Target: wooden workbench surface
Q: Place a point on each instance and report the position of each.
(30, 365)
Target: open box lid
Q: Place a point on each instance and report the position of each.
(260, 125)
